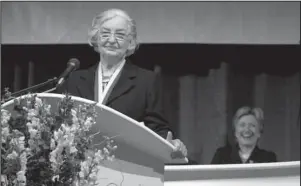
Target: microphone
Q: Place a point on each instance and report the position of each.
(72, 65)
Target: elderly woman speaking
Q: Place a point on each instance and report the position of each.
(116, 82)
(248, 127)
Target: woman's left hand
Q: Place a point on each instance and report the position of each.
(180, 149)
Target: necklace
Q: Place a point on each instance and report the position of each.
(244, 156)
(106, 75)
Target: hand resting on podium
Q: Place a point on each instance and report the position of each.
(180, 150)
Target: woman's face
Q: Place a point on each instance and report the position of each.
(247, 130)
(114, 38)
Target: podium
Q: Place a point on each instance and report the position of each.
(263, 174)
(140, 155)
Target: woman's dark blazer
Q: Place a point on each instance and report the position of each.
(230, 155)
(137, 94)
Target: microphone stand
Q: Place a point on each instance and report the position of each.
(9, 96)
(50, 90)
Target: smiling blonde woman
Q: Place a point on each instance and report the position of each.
(248, 128)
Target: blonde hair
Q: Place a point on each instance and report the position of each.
(244, 111)
(105, 16)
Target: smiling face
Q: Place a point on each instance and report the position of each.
(114, 38)
(247, 130)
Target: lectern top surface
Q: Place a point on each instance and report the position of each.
(114, 123)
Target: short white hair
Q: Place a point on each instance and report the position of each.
(107, 15)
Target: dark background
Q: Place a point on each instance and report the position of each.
(243, 63)
(174, 59)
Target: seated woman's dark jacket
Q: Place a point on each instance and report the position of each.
(230, 155)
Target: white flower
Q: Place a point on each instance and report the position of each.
(4, 180)
(65, 128)
(21, 143)
(99, 156)
(75, 127)
(73, 112)
(5, 116)
(33, 132)
(29, 124)
(52, 158)
(48, 109)
(56, 158)
(75, 121)
(38, 103)
(73, 149)
(35, 122)
(88, 123)
(28, 102)
(33, 145)
(93, 174)
(31, 142)
(4, 134)
(12, 155)
(31, 113)
(23, 161)
(84, 169)
(111, 158)
(56, 177)
(25, 108)
(52, 144)
(21, 178)
(106, 151)
(84, 183)
(58, 134)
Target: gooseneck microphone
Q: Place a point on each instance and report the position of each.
(72, 65)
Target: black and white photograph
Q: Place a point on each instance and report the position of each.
(150, 93)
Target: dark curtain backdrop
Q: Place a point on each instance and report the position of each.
(203, 87)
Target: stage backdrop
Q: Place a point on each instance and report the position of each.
(203, 86)
(158, 22)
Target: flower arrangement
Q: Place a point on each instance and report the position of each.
(41, 147)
